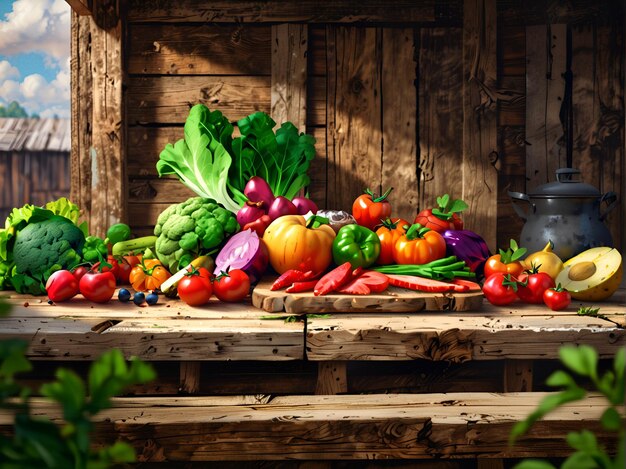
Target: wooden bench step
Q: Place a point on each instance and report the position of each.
(398, 426)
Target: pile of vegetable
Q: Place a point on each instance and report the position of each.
(215, 165)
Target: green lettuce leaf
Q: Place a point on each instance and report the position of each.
(201, 160)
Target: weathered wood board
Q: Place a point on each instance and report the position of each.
(394, 300)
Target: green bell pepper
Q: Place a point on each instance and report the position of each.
(94, 249)
(357, 245)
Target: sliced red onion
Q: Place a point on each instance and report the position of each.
(245, 251)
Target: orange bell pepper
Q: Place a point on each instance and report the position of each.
(419, 245)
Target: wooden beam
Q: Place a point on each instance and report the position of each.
(190, 377)
(107, 154)
(289, 74)
(332, 378)
(518, 375)
(81, 7)
(545, 91)
(480, 156)
(280, 11)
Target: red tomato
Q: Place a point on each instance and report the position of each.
(115, 268)
(123, 272)
(556, 298)
(532, 286)
(233, 286)
(427, 219)
(495, 265)
(97, 286)
(195, 288)
(78, 272)
(370, 211)
(388, 234)
(132, 260)
(61, 286)
(499, 289)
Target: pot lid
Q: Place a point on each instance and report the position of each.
(568, 184)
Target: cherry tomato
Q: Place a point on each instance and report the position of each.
(148, 275)
(495, 265)
(370, 211)
(123, 272)
(499, 289)
(532, 286)
(97, 286)
(556, 298)
(61, 286)
(388, 234)
(419, 245)
(233, 286)
(79, 271)
(115, 268)
(195, 288)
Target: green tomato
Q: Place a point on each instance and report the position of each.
(118, 232)
(357, 245)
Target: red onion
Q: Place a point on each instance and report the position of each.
(281, 206)
(304, 205)
(248, 213)
(257, 190)
(245, 251)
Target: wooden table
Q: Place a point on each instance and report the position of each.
(463, 350)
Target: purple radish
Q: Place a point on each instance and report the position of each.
(281, 206)
(248, 213)
(304, 205)
(257, 190)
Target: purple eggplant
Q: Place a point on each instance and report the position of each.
(469, 247)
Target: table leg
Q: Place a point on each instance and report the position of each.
(331, 378)
(189, 377)
(518, 375)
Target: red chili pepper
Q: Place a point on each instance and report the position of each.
(291, 276)
(259, 225)
(299, 287)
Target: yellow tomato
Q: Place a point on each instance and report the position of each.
(295, 244)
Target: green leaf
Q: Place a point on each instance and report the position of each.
(534, 464)
(120, 452)
(5, 308)
(611, 420)
(13, 358)
(458, 206)
(69, 391)
(582, 441)
(582, 360)
(580, 460)
(560, 378)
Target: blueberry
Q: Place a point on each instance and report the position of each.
(152, 299)
(123, 295)
(139, 298)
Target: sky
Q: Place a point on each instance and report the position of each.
(35, 55)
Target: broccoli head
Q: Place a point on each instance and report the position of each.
(42, 248)
(191, 228)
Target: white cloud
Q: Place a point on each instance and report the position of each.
(8, 71)
(37, 26)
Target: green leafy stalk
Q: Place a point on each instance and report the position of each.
(583, 362)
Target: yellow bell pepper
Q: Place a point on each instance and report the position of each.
(295, 243)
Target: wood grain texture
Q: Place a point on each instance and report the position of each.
(107, 152)
(332, 378)
(455, 338)
(81, 7)
(191, 49)
(440, 115)
(289, 74)
(82, 114)
(353, 114)
(480, 178)
(396, 300)
(277, 11)
(190, 377)
(394, 426)
(545, 92)
(598, 107)
(399, 120)
(518, 375)
(167, 99)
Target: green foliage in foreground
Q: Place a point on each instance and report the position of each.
(588, 454)
(39, 442)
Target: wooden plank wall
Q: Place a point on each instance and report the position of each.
(32, 177)
(466, 98)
